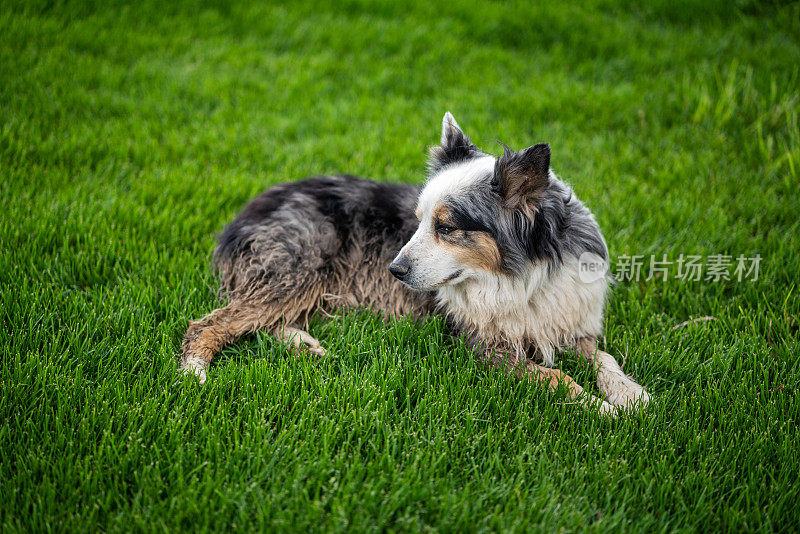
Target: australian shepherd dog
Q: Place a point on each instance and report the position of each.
(493, 244)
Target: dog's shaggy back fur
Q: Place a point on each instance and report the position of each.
(320, 244)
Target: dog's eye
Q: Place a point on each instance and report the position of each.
(444, 229)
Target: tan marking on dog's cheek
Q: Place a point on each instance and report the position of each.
(478, 251)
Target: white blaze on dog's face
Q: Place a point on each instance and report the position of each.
(442, 251)
(447, 248)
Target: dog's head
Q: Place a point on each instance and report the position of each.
(481, 215)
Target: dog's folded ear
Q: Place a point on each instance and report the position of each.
(455, 146)
(520, 178)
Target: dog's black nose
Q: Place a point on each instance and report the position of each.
(399, 269)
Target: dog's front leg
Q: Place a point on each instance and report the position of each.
(618, 388)
(526, 369)
(551, 378)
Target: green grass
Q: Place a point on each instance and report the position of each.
(129, 135)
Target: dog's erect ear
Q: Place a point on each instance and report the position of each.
(451, 132)
(520, 178)
(455, 145)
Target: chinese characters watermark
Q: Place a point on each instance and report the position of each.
(687, 268)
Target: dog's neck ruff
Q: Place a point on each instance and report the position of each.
(538, 309)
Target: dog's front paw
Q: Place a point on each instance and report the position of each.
(196, 368)
(607, 409)
(626, 394)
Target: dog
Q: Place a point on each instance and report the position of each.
(493, 244)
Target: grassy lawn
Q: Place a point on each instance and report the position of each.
(129, 135)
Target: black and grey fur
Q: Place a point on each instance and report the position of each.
(493, 244)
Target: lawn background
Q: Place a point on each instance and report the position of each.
(130, 134)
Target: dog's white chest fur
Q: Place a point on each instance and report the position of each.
(536, 310)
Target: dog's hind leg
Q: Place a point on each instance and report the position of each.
(206, 337)
(618, 388)
(299, 339)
